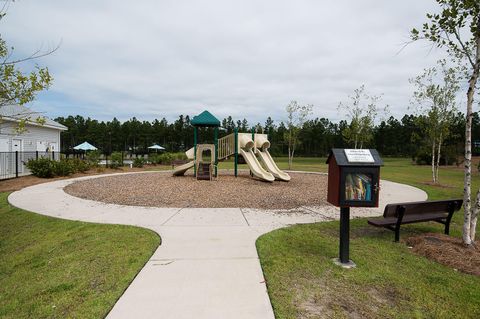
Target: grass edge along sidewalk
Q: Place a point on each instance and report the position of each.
(55, 268)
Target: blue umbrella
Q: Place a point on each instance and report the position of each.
(156, 147)
(85, 146)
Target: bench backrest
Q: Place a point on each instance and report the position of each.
(416, 208)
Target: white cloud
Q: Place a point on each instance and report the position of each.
(245, 58)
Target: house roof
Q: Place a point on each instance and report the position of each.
(19, 112)
(205, 119)
(341, 158)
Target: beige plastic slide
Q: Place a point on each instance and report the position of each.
(180, 170)
(262, 150)
(245, 145)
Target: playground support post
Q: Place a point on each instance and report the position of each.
(235, 130)
(216, 149)
(195, 133)
(253, 139)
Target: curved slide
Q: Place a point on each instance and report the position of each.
(262, 146)
(267, 159)
(255, 166)
(180, 170)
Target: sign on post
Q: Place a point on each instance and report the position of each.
(359, 156)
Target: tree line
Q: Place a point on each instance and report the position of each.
(391, 137)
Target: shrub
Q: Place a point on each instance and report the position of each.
(93, 158)
(165, 158)
(180, 156)
(63, 168)
(154, 159)
(116, 160)
(425, 158)
(138, 162)
(42, 167)
(80, 165)
(46, 168)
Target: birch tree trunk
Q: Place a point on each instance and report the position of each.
(468, 230)
(291, 162)
(467, 183)
(439, 147)
(290, 137)
(289, 158)
(433, 161)
(473, 222)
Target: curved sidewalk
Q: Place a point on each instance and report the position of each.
(207, 265)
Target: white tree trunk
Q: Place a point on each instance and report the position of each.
(289, 158)
(439, 147)
(433, 161)
(291, 161)
(469, 221)
(473, 221)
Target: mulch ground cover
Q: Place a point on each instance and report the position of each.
(165, 190)
(447, 250)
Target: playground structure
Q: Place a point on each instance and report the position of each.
(247, 145)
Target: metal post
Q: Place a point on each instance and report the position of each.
(216, 149)
(253, 139)
(53, 155)
(36, 155)
(16, 163)
(235, 130)
(195, 133)
(344, 254)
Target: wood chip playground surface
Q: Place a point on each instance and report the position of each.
(163, 190)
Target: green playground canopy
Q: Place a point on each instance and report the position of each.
(205, 119)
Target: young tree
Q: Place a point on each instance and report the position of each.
(297, 115)
(362, 111)
(17, 87)
(435, 98)
(457, 28)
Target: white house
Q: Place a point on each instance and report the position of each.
(42, 137)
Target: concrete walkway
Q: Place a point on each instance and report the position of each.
(207, 265)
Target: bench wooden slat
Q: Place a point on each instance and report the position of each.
(408, 219)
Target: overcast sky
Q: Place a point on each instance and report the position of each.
(154, 59)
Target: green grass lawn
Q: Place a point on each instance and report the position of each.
(389, 282)
(54, 268)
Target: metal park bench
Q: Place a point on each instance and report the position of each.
(395, 215)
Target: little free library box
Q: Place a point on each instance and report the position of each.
(353, 177)
(353, 181)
